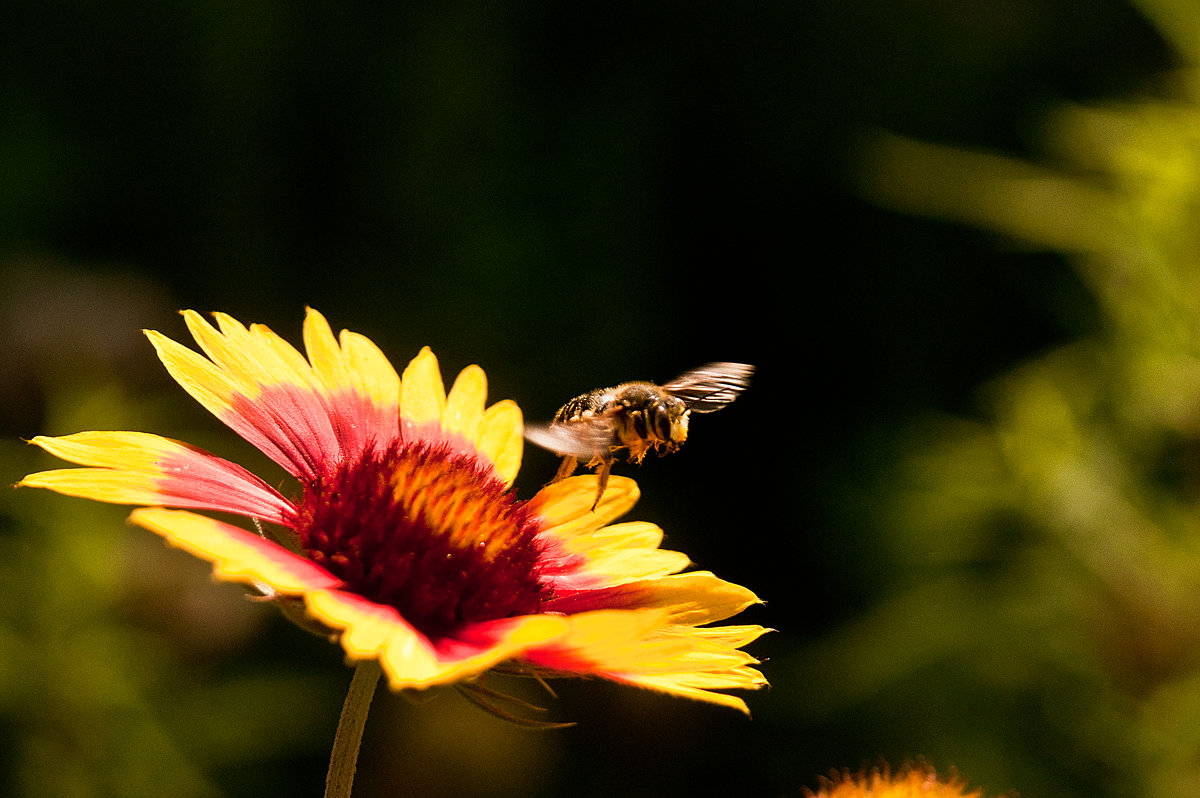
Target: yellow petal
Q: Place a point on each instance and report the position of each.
(618, 567)
(628, 535)
(665, 684)
(422, 394)
(98, 484)
(606, 636)
(730, 636)
(624, 552)
(226, 348)
(254, 358)
(566, 506)
(323, 351)
(506, 639)
(207, 384)
(237, 555)
(371, 368)
(135, 451)
(408, 658)
(639, 647)
(260, 386)
(140, 468)
(464, 404)
(501, 439)
(280, 356)
(622, 642)
(693, 598)
(369, 630)
(737, 678)
(355, 365)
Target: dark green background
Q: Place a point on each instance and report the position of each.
(570, 195)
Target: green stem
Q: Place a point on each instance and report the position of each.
(346, 742)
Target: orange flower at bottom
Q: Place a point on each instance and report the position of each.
(911, 781)
(402, 537)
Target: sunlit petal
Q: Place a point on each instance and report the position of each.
(370, 630)
(566, 506)
(236, 554)
(638, 648)
(362, 389)
(141, 468)
(465, 402)
(610, 556)
(422, 394)
(501, 440)
(276, 411)
(690, 599)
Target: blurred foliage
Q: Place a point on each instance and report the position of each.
(1001, 580)
(1046, 549)
(107, 677)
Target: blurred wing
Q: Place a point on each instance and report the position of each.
(580, 439)
(711, 387)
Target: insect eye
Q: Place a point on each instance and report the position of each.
(660, 417)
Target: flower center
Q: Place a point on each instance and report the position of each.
(426, 530)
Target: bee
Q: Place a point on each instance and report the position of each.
(637, 417)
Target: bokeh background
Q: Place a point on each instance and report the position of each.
(957, 237)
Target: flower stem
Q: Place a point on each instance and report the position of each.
(344, 757)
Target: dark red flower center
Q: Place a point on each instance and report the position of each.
(429, 531)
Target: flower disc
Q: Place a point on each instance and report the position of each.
(429, 531)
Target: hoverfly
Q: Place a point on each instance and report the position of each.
(637, 416)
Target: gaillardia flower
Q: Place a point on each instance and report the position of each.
(403, 538)
(914, 780)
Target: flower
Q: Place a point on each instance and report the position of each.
(404, 539)
(911, 781)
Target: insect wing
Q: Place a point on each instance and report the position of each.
(711, 387)
(581, 439)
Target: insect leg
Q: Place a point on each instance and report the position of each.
(565, 469)
(602, 480)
